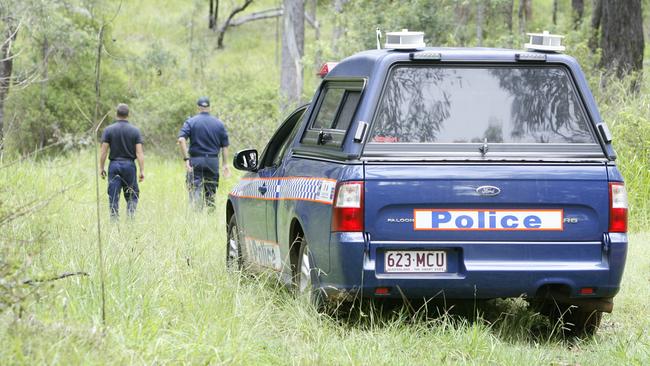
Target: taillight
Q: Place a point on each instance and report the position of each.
(347, 213)
(617, 208)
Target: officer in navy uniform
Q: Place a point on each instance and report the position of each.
(207, 135)
(125, 144)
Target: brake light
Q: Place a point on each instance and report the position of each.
(617, 208)
(347, 213)
(326, 68)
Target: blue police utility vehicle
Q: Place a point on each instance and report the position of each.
(449, 173)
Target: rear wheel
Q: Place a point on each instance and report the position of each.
(234, 259)
(304, 275)
(580, 321)
(573, 320)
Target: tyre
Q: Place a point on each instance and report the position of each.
(573, 320)
(582, 321)
(304, 274)
(234, 259)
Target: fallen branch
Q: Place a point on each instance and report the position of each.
(55, 278)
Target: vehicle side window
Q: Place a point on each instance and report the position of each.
(330, 105)
(348, 109)
(278, 145)
(335, 108)
(282, 151)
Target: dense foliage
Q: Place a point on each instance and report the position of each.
(160, 65)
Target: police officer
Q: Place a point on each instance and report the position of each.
(207, 135)
(125, 144)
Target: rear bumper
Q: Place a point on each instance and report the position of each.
(479, 270)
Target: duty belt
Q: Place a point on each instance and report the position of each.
(204, 155)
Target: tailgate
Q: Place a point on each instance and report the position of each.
(487, 202)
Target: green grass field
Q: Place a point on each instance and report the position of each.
(170, 300)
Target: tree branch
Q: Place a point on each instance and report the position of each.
(226, 24)
(264, 14)
(55, 278)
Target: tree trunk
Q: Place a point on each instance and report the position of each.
(508, 7)
(215, 15)
(522, 16)
(211, 15)
(293, 40)
(596, 18)
(461, 15)
(338, 31)
(577, 11)
(310, 17)
(480, 11)
(43, 100)
(554, 12)
(6, 68)
(622, 37)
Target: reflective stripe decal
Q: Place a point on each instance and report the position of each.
(287, 188)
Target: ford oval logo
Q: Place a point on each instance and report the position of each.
(488, 191)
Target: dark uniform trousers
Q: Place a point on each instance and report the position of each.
(203, 181)
(122, 176)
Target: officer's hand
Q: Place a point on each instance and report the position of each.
(188, 166)
(226, 171)
(141, 176)
(103, 174)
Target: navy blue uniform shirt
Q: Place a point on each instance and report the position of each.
(206, 133)
(122, 137)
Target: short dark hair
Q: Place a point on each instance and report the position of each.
(122, 110)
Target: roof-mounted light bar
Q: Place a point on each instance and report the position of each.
(545, 42)
(404, 40)
(425, 56)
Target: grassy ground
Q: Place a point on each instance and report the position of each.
(169, 299)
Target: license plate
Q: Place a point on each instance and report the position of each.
(415, 261)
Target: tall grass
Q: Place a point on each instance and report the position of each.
(170, 300)
(628, 116)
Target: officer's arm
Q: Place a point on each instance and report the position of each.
(102, 159)
(224, 156)
(139, 153)
(183, 146)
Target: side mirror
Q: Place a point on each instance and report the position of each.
(246, 160)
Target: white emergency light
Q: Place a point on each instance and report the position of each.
(545, 42)
(404, 40)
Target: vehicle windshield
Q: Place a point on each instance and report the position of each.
(469, 104)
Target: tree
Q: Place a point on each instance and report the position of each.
(293, 40)
(596, 17)
(621, 39)
(578, 10)
(525, 14)
(214, 14)
(480, 13)
(338, 31)
(6, 65)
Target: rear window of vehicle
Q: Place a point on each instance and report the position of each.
(481, 104)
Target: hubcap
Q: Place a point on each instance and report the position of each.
(305, 275)
(233, 248)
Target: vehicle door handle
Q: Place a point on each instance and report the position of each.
(262, 189)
